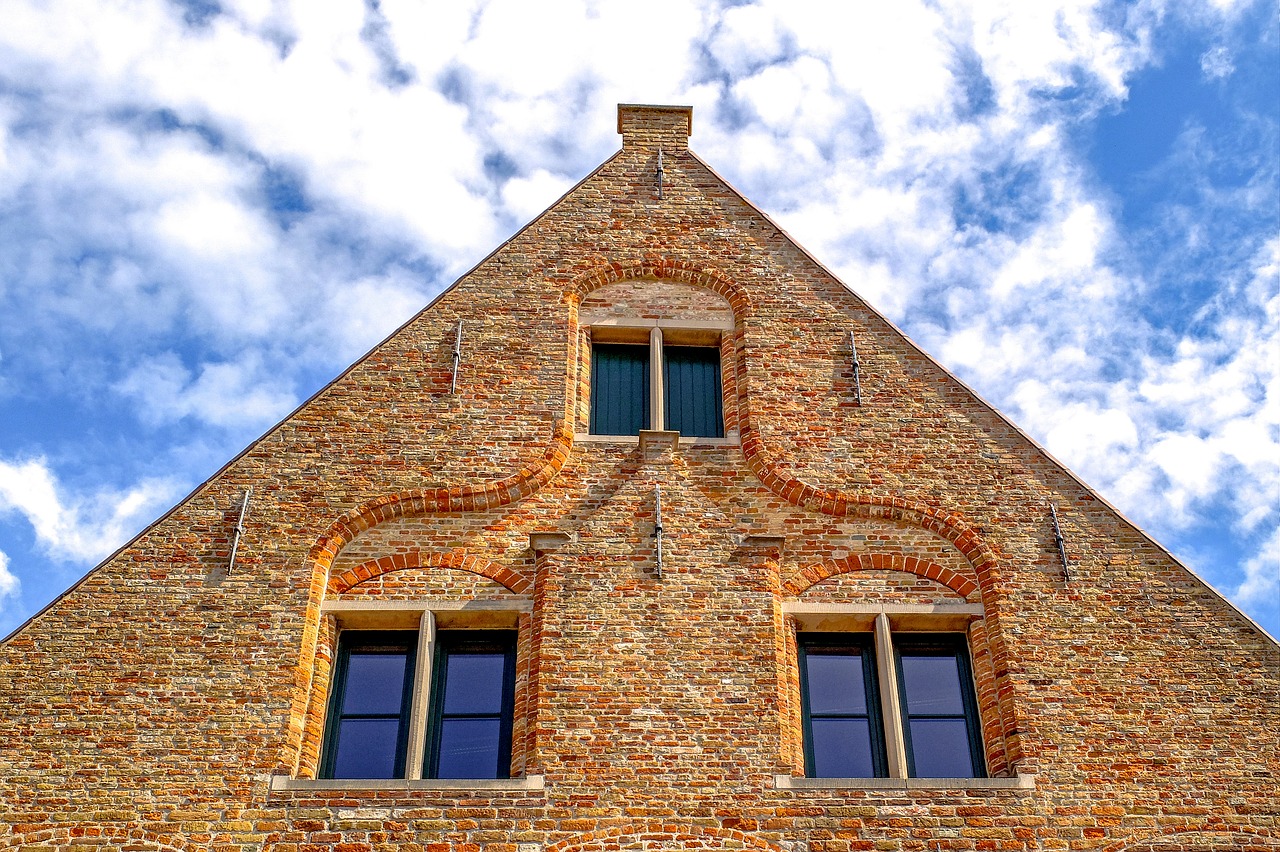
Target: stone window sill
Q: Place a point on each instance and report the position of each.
(789, 782)
(731, 440)
(283, 783)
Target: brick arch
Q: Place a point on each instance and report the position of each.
(83, 836)
(998, 697)
(804, 578)
(706, 837)
(661, 269)
(459, 559)
(471, 497)
(1201, 838)
(761, 460)
(830, 501)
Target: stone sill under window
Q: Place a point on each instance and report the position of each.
(790, 782)
(730, 440)
(283, 783)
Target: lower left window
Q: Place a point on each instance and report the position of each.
(381, 725)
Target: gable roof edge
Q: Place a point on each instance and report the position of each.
(983, 402)
(282, 421)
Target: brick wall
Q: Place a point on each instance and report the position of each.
(149, 707)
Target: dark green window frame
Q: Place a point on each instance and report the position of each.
(622, 377)
(939, 646)
(692, 395)
(619, 388)
(367, 726)
(486, 643)
(841, 645)
(958, 711)
(388, 643)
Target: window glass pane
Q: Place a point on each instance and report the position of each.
(932, 685)
(691, 387)
(842, 748)
(941, 748)
(375, 683)
(836, 684)
(469, 748)
(366, 748)
(473, 683)
(619, 389)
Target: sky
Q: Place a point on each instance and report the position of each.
(209, 209)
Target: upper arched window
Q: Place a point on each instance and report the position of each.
(656, 358)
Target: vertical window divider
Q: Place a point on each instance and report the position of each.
(657, 418)
(416, 754)
(890, 702)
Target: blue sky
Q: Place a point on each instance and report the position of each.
(209, 209)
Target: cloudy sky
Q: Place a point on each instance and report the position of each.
(208, 209)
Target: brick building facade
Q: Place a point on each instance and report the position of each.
(653, 568)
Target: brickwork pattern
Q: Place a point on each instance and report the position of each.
(149, 708)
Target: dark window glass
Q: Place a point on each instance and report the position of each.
(693, 403)
(939, 711)
(842, 748)
(619, 389)
(369, 708)
(843, 736)
(470, 748)
(472, 701)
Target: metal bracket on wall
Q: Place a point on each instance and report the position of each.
(857, 378)
(239, 530)
(1058, 540)
(658, 174)
(457, 357)
(657, 527)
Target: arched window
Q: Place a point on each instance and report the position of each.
(656, 359)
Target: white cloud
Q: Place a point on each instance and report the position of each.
(219, 394)
(362, 313)
(748, 36)
(526, 197)
(10, 586)
(1261, 586)
(1216, 63)
(85, 527)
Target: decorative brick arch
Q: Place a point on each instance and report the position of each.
(459, 559)
(947, 524)
(703, 837)
(85, 836)
(1201, 838)
(661, 269)
(474, 497)
(804, 578)
(760, 459)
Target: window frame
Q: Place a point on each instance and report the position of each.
(425, 619)
(657, 338)
(950, 645)
(921, 626)
(599, 404)
(806, 644)
(352, 641)
(450, 641)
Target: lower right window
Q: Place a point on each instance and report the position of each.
(881, 705)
